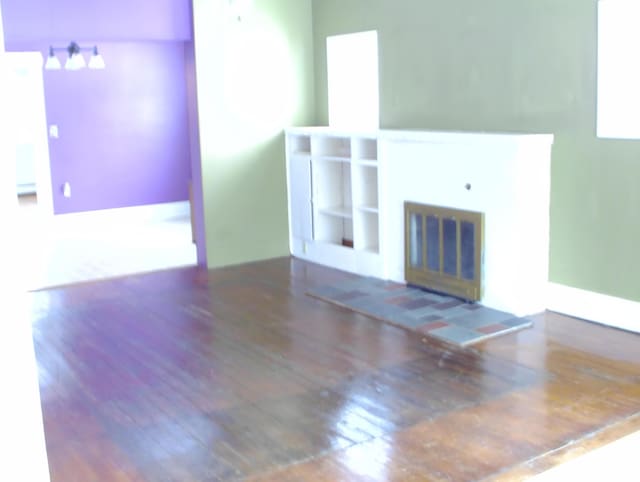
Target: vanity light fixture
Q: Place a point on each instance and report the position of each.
(75, 60)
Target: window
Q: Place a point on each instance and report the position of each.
(618, 105)
(352, 74)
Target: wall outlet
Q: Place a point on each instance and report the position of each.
(66, 189)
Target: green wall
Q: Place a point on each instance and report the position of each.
(255, 77)
(510, 65)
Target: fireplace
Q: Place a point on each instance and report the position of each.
(368, 176)
(444, 249)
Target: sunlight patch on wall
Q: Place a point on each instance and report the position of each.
(259, 78)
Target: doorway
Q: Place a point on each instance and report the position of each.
(28, 143)
(62, 249)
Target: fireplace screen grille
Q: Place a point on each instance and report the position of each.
(443, 249)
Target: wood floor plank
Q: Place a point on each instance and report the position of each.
(194, 375)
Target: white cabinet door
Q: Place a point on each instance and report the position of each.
(300, 197)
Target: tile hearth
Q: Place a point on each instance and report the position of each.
(443, 317)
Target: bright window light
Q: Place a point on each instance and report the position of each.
(352, 74)
(618, 103)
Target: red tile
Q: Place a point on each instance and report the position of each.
(491, 328)
(394, 287)
(433, 326)
(398, 300)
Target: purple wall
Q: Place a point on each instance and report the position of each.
(124, 131)
(107, 20)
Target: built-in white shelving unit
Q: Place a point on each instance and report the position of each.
(336, 221)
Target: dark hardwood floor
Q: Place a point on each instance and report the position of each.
(189, 375)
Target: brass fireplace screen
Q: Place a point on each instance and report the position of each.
(443, 249)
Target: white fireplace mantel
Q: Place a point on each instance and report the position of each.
(372, 174)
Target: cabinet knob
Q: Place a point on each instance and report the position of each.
(467, 186)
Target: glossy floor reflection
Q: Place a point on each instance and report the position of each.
(190, 375)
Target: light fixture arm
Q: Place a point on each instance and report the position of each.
(72, 49)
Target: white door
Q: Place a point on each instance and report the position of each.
(26, 115)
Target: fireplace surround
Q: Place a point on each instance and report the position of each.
(347, 184)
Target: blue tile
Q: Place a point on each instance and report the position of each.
(434, 296)
(355, 284)
(449, 304)
(431, 319)
(453, 312)
(455, 334)
(388, 309)
(403, 319)
(421, 313)
(328, 291)
(478, 318)
(363, 303)
(350, 295)
(417, 303)
(513, 322)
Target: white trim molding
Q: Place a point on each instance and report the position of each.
(596, 307)
(146, 213)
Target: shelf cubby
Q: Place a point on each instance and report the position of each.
(299, 144)
(333, 229)
(332, 187)
(366, 232)
(331, 147)
(365, 187)
(365, 150)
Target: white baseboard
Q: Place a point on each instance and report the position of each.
(26, 189)
(591, 306)
(149, 212)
